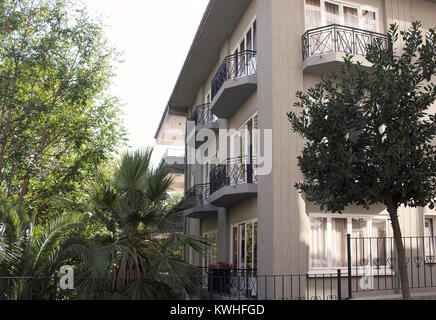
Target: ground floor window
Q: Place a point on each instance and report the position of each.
(328, 239)
(210, 258)
(244, 245)
(430, 240)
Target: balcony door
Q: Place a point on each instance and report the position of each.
(244, 151)
(206, 173)
(245, 62)
(244, 245)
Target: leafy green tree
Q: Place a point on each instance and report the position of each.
(370, 134)
(131, 206)
(57, 121)
(31, 253)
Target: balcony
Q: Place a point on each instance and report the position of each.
(233, 181)
(324, 48)
(174, 160)
(199, 195)
(234, 83)
(204, 118)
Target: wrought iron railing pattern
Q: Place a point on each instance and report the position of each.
(229, 284)
(203, 115)
(199, 194)
(246, 284)
(233, 171)
(337, 38)
(234, 66)
(376, 260)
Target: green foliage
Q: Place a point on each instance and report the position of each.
(57, 121)
(131, 206)
(370, 136)
(28, 249)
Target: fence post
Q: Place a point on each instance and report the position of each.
(350, 288)
(339, 285)
(55, 285)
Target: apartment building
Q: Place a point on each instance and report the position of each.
(247, 61)
(171, 135)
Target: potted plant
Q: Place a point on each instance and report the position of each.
(219, 277)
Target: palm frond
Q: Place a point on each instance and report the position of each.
(182, 274)
(133, 170)
(45, 243)
(177, 240)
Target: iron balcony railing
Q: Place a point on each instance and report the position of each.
(337, 38)
(234, 171)
(234, 66)
(203, 115)
(199, 194)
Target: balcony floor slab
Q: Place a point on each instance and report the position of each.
(200, 212)
(230, 195)
(330, 62)
(232, 95)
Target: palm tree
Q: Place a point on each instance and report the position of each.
(30, 253)
(126, 261)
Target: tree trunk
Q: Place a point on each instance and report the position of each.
(402, 264)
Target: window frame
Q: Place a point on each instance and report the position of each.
(244, 37)
(342, 4)
(330, 267)
(431, 216)
(237, 225)
(206, 255)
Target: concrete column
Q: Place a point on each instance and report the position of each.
(223, 235)
(193, 228)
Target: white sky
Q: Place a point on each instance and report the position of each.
(154, 37)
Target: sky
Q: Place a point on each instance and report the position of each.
(154, 37)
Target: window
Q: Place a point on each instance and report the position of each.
(320, 13)
(245, 64)
(313, 14)
(332, 13)
(318, 240)
(351, 17)
(244, 245)
(430, 240)
(211, 253)
(328, 240)
(245, 142)
(369, 20)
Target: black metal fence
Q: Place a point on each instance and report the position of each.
(373, 263)
(236, 65)
(203, 115)
(91, 288)
(337, 38)
(241, 284)
(233, 171)
(215, 284)
(199, 194)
